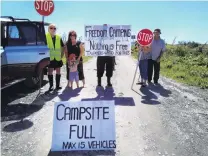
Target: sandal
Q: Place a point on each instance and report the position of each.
(139, 83)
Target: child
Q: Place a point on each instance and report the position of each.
(144, 54)
(73, 73)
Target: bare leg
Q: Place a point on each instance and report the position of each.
(72, 84)
(50, 71)
(69, 83)
(83, 81)
(77, 82)
(58, 71)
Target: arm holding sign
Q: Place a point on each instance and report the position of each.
(66, 51)
(147, 49)
(81, 51)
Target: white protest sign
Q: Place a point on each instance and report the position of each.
(84, 125)
(107, 40)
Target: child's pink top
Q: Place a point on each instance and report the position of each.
(73, 66)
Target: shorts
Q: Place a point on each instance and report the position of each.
(55, 64)
(74, 76)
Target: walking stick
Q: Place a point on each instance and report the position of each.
(134, 77)
(135, 73)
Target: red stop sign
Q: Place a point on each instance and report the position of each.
(145, 37)
(44, 7)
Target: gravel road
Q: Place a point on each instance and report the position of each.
(166, 120)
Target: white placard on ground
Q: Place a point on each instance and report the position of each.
(84, 125)
(107, 40)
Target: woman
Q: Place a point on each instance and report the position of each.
(74, 47)
(144, 54)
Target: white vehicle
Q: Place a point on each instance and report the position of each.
(24, 51)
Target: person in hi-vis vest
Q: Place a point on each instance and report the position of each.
(56, 46)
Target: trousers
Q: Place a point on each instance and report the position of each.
(156, 66)
(80, 71)
(143, 64)
(103, 61)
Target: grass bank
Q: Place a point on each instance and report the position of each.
(184, 64)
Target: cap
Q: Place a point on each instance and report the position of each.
(157, 30)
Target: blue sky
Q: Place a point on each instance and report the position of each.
(186, 20)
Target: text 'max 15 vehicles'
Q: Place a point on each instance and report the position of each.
(24, 51)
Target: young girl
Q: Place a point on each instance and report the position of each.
(144, 54)
(73, 73)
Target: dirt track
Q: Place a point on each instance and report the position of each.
(169, 119)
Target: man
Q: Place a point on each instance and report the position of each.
(103, 61)
(56, 46)
(158, 48)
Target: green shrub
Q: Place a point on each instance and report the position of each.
(186, 64)
(180, 51)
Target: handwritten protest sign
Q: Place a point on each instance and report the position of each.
(84, 125)
(107, 40)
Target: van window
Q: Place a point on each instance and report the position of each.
(13, 32)
(26, 34)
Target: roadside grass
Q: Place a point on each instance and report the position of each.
(185, 65)
(86, 58)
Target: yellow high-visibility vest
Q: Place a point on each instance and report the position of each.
(55, 53)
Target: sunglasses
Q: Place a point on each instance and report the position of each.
(52, 28)
(73, 35)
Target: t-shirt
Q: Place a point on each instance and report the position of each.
(74, 49)
(158, 46)
(143, 56)
(73, 66)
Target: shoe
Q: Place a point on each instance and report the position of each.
(58, 78)
(109, 85)
(149, 82)
(83, 81)
(109, 82)
(144, 85)
(50, 79)
(50, 88)
(139, 83)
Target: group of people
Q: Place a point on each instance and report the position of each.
(149, 59)
(73, 50)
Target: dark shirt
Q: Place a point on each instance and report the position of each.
(74, 49)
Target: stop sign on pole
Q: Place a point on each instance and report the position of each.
(145, 37)
(44, 7)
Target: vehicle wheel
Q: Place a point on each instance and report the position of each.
(34, 82)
